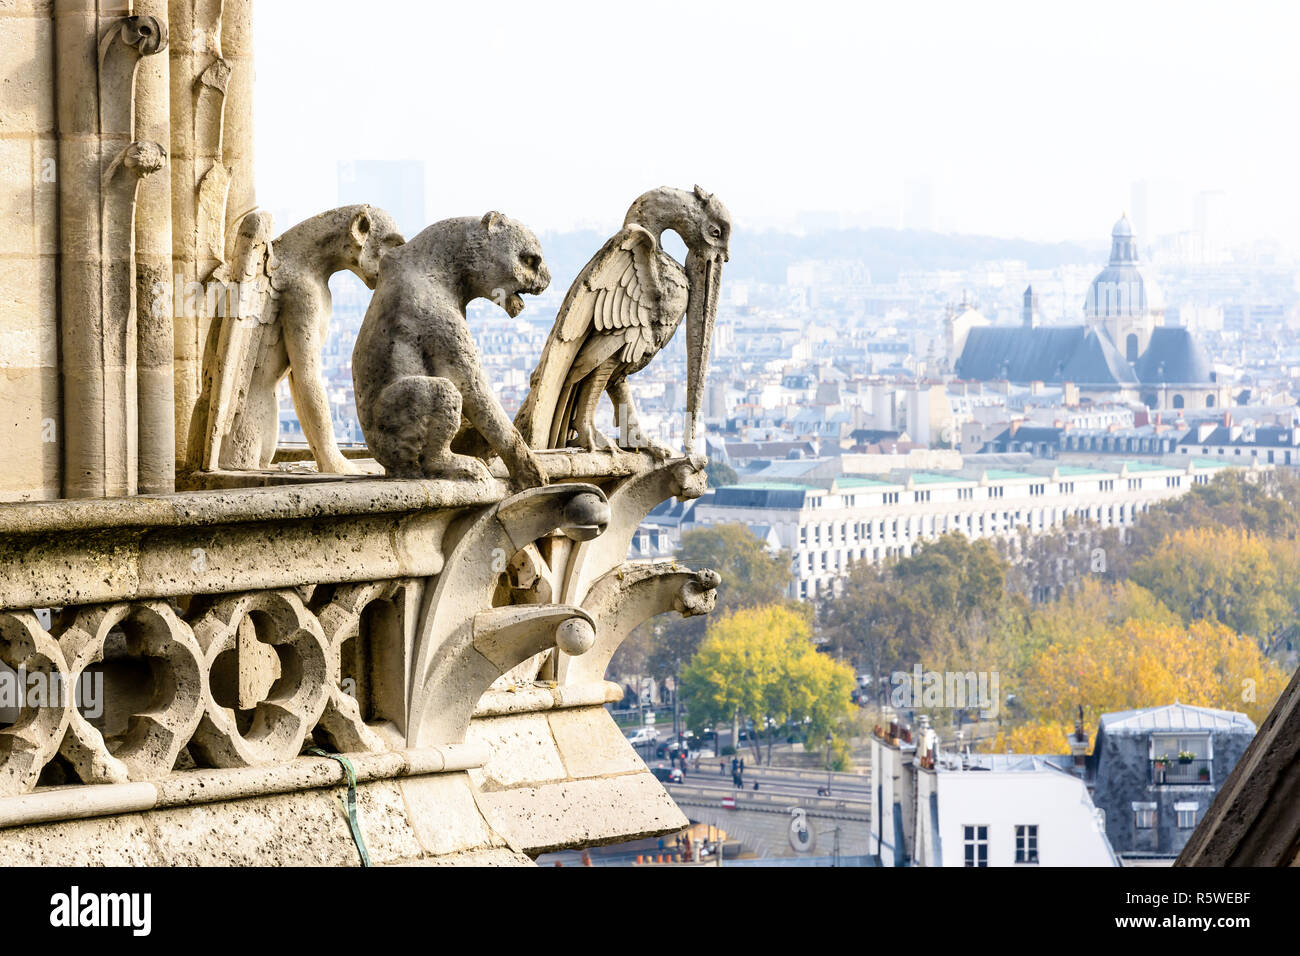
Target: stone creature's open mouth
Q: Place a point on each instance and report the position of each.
(514, 304)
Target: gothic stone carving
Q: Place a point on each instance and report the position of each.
(285, 699)
(282, 303)
(426, 408)
(622, 309)
(33, 738)
(153, 709)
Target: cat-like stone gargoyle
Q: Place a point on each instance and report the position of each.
(426, 408)
(278, 327)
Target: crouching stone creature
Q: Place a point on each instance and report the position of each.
(425, 406)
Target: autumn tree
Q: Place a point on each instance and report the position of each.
(940, 607)
(751, 576)
(761, 664)
(1115, 647)
(1221, 575)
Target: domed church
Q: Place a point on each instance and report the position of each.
(1123, 346)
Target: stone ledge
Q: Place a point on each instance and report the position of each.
(319, 496)
(194, 787)
(530, 700)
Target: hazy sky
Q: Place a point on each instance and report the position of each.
(1026, 119)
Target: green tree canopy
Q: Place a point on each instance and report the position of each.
(720, 474)
(938, 607)
(751, 576)
(760, 663)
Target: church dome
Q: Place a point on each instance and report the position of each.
(1123, 289)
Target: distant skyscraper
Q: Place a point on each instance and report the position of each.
(918, 205)
(1138, 211)
(394, 185)
(1209, 225)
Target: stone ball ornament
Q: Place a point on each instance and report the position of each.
(575, 636)
(586, 516)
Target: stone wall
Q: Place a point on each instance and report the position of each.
(29, 332)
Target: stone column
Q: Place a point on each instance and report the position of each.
(237, 150)
(29, 247)
(153, 235)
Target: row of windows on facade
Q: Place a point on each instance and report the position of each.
(846, 532)
(1271, 457)
(1144, 817)
(993, 491)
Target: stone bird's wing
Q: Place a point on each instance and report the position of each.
(248, 315)
(615, 298)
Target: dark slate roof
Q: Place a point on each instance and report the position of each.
(871, 436)
(1173, 356)
(1029, 433)
(769, 449)
(1272, 436)
(1063, 353)
(760, 496)
(1098, 362)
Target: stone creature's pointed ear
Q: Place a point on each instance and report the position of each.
(491, 220)
(361, 227)
(701, 195)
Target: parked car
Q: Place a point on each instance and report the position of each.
(666, 774)
(642, 736)
(671, 748)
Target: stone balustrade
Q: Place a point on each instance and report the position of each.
(166, 643)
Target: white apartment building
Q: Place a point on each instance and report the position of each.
(869, 519)
(931, 808)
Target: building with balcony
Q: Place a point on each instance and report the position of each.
(1155, 771)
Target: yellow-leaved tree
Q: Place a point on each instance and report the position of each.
(1113, 648)
(760, 663)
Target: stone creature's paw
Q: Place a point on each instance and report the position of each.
(528, 472)
(661, 452)
(458, 468)
(338, 465)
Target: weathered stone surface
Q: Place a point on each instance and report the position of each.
(497, 856)
(590, 351)
(304, 829)
(590, 743)
(145, 738)
(385, 826)
(582, 812)
(280, 292)
(122, 840)
(97, 386)
(522, 749)
(444, 814)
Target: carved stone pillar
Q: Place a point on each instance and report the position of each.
(153, 260)
(101, 163)
(212, 174)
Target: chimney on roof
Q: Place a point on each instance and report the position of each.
(1079, 745)
(1029, 311)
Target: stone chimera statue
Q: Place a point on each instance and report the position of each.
(280, 329)
(419, 383)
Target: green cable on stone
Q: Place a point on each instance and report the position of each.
(352, 800)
